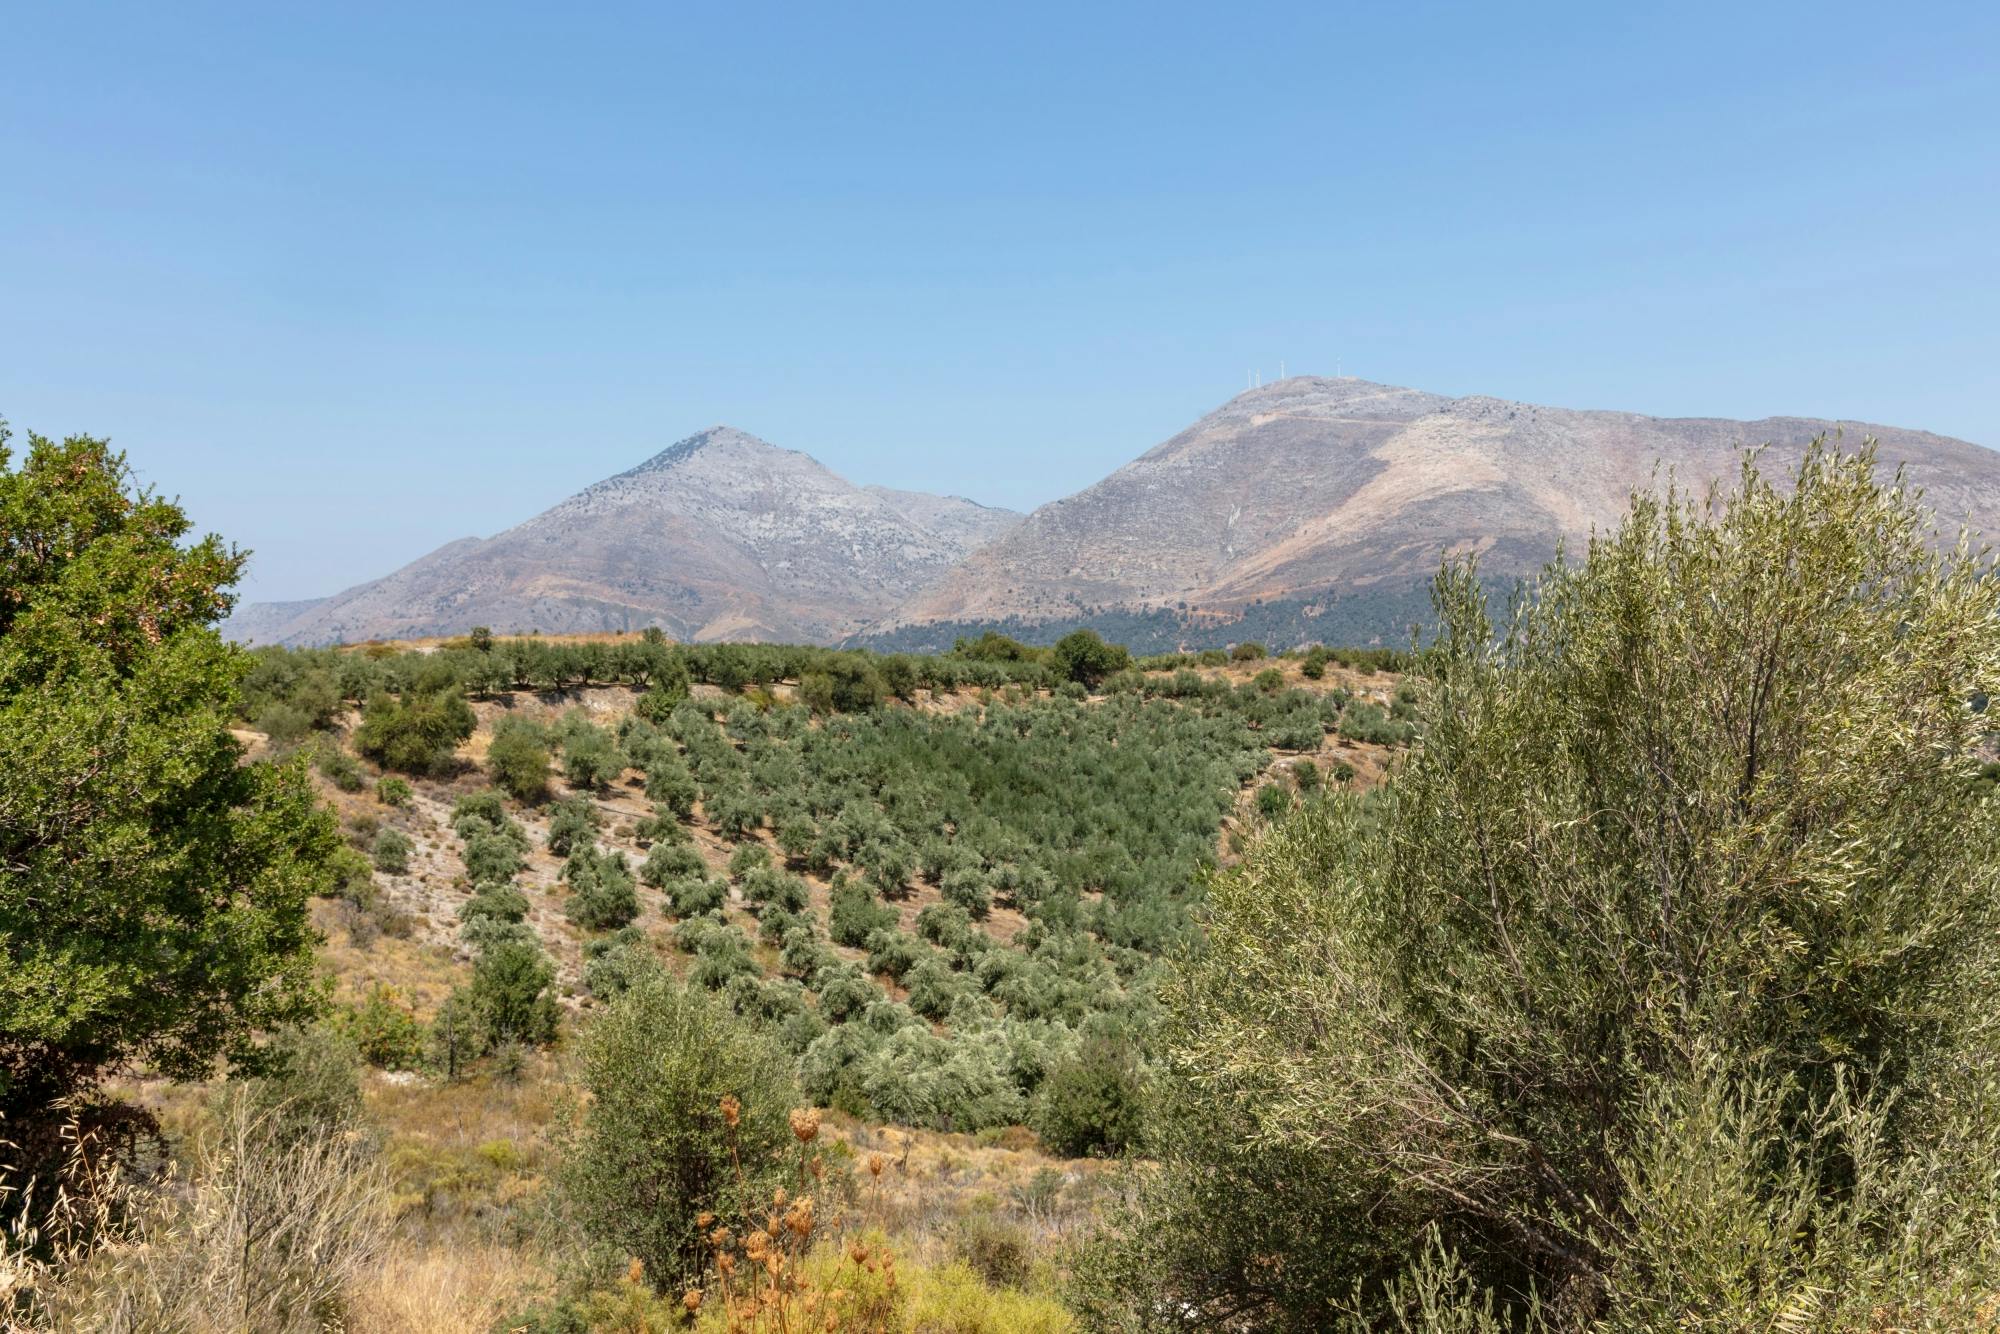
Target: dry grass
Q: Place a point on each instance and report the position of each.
(266, 1233)
(440, 1289)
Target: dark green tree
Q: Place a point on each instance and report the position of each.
(153, 886)
(1084, 657)
(417, 732)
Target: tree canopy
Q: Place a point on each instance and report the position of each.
(153, 899)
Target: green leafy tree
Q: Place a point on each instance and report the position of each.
(656, 1148)
(573, 824)
(1092, 1106)
(509, 996)
(417, 732)
(153, 902)
(667, 672)
(1657, 989)
(601, 892)
(518, 760)
(1082, 656)
(590, 758)
(844, 683)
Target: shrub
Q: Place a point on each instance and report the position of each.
(392, 791)
(392, 852)
(1272, 801)
(418, 732)
(1091, 1106)
(601, 892)
(310, 1084)
(573, 824)
(668, 1069)
(518, 759)
(353, 877)
(1248, 651)
(1000, 1252)
(385, 1032)
(338, 767)
(1657, 987)
(508, 998)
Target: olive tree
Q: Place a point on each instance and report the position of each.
(656, 1147)
(1656, 991)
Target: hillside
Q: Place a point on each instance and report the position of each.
(721, 536)
(1315, 498)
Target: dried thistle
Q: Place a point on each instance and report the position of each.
(805, 1124)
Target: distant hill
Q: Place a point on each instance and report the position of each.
(1308, 509)
(1316, 508)
(721, 536)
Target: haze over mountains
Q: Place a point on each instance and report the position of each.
(1306, 509)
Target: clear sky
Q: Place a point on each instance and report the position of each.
(354, 280)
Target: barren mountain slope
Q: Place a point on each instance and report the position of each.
(1315, 488)
(721, 536)
(965, 523)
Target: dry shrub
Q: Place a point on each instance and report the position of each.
(267, 1233)
(785, 1268)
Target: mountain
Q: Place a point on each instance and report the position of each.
(1307, 509)
(721, 536)
(1316, 508)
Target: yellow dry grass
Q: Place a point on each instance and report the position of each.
(442, 1289)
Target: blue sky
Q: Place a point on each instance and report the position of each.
(355, 280)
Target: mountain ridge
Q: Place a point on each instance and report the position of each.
(1310, 507)
(1310, 488)
(720, 535)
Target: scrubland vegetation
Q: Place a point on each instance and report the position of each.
(1623, 960)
